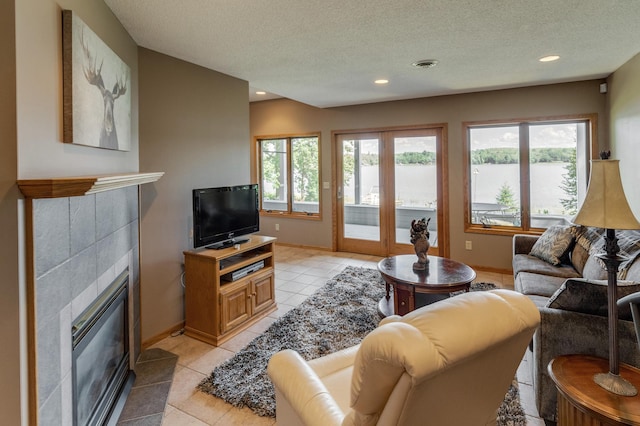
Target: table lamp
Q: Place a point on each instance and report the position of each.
(605, 206)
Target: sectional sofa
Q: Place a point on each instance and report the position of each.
(561, 274)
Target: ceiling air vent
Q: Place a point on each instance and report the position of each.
(425, 63)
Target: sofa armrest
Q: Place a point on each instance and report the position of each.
(565, 332)
(301, 388)
(523, 243)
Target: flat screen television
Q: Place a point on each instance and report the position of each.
(221, 215)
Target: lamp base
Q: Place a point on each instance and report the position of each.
(615, 384)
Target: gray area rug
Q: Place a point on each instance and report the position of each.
(335, 317)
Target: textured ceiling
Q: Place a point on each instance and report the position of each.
(328, 52)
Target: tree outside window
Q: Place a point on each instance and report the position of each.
(274, 185)
(506, 197)
(289, 172)
(569, 185)
(304, 166)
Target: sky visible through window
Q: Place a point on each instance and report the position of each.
(543, 135)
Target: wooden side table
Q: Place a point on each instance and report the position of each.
(582, 402)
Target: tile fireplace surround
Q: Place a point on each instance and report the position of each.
(80, 244)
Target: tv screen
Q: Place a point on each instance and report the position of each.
(221, 215)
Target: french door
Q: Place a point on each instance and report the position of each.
(384, 181)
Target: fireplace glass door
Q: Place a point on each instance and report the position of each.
(100, 355)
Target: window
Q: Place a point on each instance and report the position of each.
(526, 175)
(290, 175)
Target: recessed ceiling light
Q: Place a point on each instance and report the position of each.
(381, 81)
(425, 63)
(549, 58)
(261, 93)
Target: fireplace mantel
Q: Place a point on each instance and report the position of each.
(82, 185)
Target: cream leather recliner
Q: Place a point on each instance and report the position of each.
(448, 363)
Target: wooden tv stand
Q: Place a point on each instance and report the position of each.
(216, 309)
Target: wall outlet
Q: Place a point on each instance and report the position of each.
(277, 226)
(468, 245)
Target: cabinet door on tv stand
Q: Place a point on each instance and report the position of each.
(235, 303)
(263, 292)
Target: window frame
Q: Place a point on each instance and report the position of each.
(591, 121)
(289, 178)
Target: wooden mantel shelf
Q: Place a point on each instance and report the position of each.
(82, 185)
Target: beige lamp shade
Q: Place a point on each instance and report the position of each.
(605, 205)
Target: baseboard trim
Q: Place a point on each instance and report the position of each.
(158, 337)
(303, 246)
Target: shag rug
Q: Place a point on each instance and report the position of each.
(335, 317)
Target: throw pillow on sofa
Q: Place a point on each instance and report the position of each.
(587, 236)
(593, 269)
(553, 244)
(590, 297)
(579, 257)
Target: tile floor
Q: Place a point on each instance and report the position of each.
(299, 272)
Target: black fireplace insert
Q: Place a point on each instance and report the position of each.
(101, 374)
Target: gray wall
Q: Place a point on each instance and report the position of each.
(624, 90)
(10, 327)
(489, 251)
(194, 126)
(41, 152)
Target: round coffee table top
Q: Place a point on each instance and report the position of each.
(441, 273)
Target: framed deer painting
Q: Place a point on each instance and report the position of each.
(96, 89)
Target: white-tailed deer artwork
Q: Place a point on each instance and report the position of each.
(96, 89)
(93, 74)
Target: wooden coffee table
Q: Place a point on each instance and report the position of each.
(414, 289)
